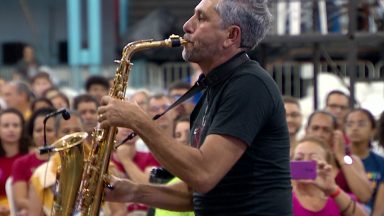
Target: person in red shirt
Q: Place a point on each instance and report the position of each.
(24, 166)
(13, 144)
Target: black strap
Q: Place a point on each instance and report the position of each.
(196, 88)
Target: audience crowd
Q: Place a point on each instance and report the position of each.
(344, 142)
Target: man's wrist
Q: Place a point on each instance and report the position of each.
(135, 192)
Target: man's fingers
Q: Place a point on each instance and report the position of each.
(105, 100)
(109, 181)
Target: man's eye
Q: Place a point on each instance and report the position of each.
(200, 16)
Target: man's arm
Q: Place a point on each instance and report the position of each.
(200, 168)
(174, 197)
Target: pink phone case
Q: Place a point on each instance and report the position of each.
(303, 169)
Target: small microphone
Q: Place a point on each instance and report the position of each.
(65, 115)
(61, 111)
(46, 149)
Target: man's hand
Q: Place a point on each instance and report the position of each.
(325, 180)
(118, 113)
(120, 190)
(338, 145)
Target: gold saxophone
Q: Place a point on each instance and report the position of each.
(69, 173)
(92, 183)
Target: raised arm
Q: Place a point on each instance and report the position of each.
(354, 173)
(326, 182)
(357, 179)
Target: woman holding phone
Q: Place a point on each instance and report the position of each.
(320, 196)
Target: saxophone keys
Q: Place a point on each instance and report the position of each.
(98, 134)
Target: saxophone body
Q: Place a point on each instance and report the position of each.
(103, 140)
(70, 150)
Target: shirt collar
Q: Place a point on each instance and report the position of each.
(223, 71)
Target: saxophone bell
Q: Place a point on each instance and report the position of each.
(70, 172)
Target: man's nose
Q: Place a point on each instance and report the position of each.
(187, 27)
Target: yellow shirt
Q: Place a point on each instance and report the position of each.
(162, 212)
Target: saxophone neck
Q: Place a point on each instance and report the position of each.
(133, 47)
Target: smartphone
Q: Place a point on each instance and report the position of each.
(303, 169)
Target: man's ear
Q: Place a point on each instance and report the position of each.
(233, 36)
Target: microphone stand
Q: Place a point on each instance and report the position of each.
(65, 115)
(44, 132)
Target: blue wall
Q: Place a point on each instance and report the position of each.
(48, 26)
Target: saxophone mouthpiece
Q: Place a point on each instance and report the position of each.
(177, 41)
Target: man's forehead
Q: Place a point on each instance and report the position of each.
(87, 105)
(317, 118)
(73, 120)
(337, 98)
(178, 91)
(155, 101)
(292, 106)
(97, 86)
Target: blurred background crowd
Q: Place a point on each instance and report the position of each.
(325, 56)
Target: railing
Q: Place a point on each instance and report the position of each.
(292, 78)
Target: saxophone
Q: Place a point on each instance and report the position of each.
(103, 140)
(70, 150)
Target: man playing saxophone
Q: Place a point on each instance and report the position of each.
(238, 163)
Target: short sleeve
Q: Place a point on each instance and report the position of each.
(244, 108)
(19, 172)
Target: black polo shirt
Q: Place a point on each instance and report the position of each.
(243, 101)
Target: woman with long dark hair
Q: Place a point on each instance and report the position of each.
(13, 144)
(24, 166)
